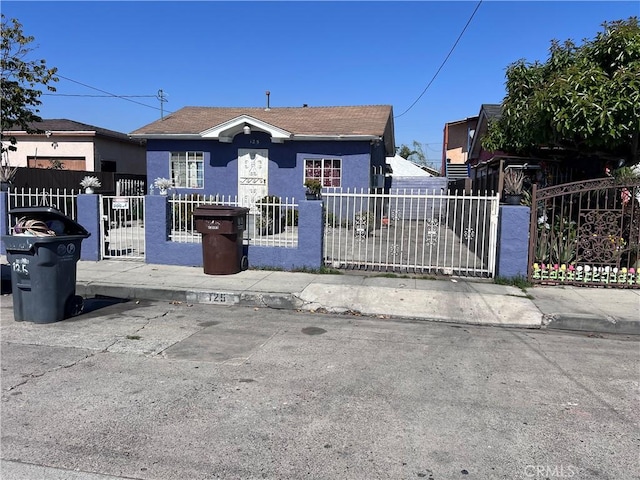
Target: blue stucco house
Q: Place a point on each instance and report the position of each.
(254, 152)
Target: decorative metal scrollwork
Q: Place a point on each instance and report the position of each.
(599, 239)
(395, 215)
(432, 231)
(469, 234)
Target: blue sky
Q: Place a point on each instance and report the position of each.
(212, 53)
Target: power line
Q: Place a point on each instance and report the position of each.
(109, 94)
(96, 96)
(444, 62)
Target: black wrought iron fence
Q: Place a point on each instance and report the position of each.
(586, 233)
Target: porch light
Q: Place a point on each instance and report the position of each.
(246, 129)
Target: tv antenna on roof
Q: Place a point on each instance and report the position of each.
(162, 97)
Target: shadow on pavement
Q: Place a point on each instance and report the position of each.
(99, 301)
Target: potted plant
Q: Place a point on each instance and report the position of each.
(90, 182)
(163, 184)
(314, 187)
(513, 186)
(7, 173)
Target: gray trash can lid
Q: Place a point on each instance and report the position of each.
(49, 214)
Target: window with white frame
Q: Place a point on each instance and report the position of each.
(327, 170)
(187, 169)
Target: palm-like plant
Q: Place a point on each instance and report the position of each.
(513, 182)
(7, 172)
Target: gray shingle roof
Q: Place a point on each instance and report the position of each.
(65, 125)
(353, 120)
(492, 110)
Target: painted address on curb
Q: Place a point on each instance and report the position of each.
(218, 298)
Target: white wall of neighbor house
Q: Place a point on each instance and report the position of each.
(53, 147)
(129, 158)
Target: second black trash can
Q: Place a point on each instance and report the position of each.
(42, 254)
(222, 229)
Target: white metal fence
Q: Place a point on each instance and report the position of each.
(62, 199)
(411, 231)
(274, 223)
(122, 229)
(130, 186)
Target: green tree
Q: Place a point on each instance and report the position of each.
(404, 151)
(415, 154)
(19, 81)
(584, 99)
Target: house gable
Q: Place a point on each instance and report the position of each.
(488, 113)
(225, 132)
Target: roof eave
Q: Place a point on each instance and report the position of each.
(299, 137)
(165, 136)
(336, 137)
(49, 133)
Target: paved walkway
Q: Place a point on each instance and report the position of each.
(456, 300)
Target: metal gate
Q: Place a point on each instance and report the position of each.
(586, 233)
(414, 232)
(122, 227)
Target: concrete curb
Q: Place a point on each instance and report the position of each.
(280, 301)
(590, 323)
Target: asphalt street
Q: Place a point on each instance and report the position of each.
(172, 390)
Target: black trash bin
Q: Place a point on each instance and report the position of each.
(222, 229)
(42, 255)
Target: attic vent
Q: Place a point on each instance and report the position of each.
(268, 107)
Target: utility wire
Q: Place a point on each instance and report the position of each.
(109, 94)
(444, 62)
(99, 96)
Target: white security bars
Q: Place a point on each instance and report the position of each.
(274, 223)
(411, 231)
(130, 186)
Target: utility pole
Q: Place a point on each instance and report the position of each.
(163, 99)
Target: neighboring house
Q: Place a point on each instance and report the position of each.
(488, 113)
(254, 152)
(487, 168)
(458, 136)
(73, 145)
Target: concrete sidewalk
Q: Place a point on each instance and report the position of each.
(456, 300)
(460, 301)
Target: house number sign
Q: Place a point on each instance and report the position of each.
(21, 265)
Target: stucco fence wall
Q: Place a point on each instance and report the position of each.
(512, 251)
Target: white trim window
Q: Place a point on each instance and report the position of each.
(187, 169)
(327, 170)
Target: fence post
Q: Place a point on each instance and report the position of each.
(89, 217)
(156, 230)
(311, 232)
(513, 241)
(4, 218)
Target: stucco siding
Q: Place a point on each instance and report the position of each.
(286, 162)
(52, 147)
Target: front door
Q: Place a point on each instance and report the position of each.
(253, 176)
